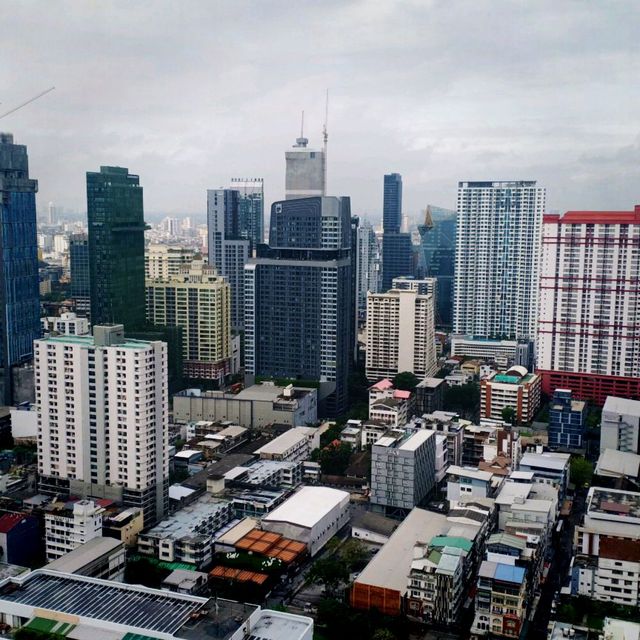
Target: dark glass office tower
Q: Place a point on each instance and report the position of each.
(392, 203)
(19, 288)
(299, 312)
(79, 270)
(397, 251)
(116, 248)
(438, 259)
(250, 208)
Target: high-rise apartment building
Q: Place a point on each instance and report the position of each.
(397, 250)
(165, 260)
(369, 266)
(298, 298)
(588, 331)
(497, 259)
(305, 171)
(250, 208)
(199, 301)
(437, 258)
(228, 249)
(19, 287)
(400, 334)
(103, 418)
(116, 247)
(79, 271)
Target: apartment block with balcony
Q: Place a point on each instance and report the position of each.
(68, 525)
(515, 389)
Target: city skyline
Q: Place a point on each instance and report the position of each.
(560, 110)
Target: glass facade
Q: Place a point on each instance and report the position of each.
(438, 260)
(79, 270)
(19, 288)
(397, 257)
(392, 203)
(567, 421)
(250, 209)
(116, 247)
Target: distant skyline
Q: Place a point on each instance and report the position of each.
(190, 95)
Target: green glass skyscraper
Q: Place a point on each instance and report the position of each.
(116, 247)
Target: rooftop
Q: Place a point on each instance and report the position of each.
(622, 406)
(285, 441)
(430, 383)
(277, 625)
(375, 522)
(389, 568)
(132, 607)
(469, 472)
(88, 342)
(501, 572)
(613, 503)
(615, 464)
(546, 460)
(84, 554)
(306, 507)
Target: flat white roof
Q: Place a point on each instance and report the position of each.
(177, 491)
(277, 625)
(285, 440)
(554, 461)
(622, 405)
(512, 490)
(614, 463)
(84, 554)
(187, 453)
(416, 439)
(469, 472)
(309, 505)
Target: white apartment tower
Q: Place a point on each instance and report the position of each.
(588, 337)
(197, 300)
(103, 418)
(497, 259)
(369, 266)
(400, 334)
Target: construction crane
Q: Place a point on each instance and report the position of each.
(24, 104)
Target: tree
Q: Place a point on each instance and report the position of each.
(334, 458)
(581, 471)
(406, 381)
(383, 634)
(332, 573)
(509, 415)
(464, 399)
(354, 553)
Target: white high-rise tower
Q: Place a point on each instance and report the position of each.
(498, 259)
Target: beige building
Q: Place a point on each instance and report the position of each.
(400, 334)
(164, 261)
(515, 388)
(199, 301)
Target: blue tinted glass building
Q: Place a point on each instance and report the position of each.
(250, 209)
(19, 288)
(438, 259)
(567, 421)
(397, 257)
(299, 310)
(392, 203)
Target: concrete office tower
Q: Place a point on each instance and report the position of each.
(369, 266)
(437, 258)
(199, 301)
(51, 214)
(165, 261)
(250, 208)
(228, 250)
(400, 334)
(402, 470)
(497, 259)
(103, 418)
(299, 312)
(397, 250)
(79, 271)
(588, 339)
(19, 287)
(620, 425)
(116, 247)
(305, 171)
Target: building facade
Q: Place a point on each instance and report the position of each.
(299, 312)
(69, 527)
(620, 425)
(400, 334)
(516, 388)
(250, 208)
(116, 247)
(79, 272)
(165, 261)
(305, 171)
(103, 418)
(590, 294)
(19, 287)
(567, 420)
(199, 301)
(497, 259)
(369, 266)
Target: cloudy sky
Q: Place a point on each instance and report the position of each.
(189, 94)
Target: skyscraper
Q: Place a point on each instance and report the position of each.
(498, 258)
(79, 270)
(116, 247)
(305, 171)
(299, 312)
(197, 299)
(102, 406)
(250, 208)
(229, 249)
(588, 332)
(392, 203)
(19, 288)
(369, 266)
(397, 251)
(438, 258)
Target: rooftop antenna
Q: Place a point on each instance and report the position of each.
(325, 138)
(24, 104)
(301, 141)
